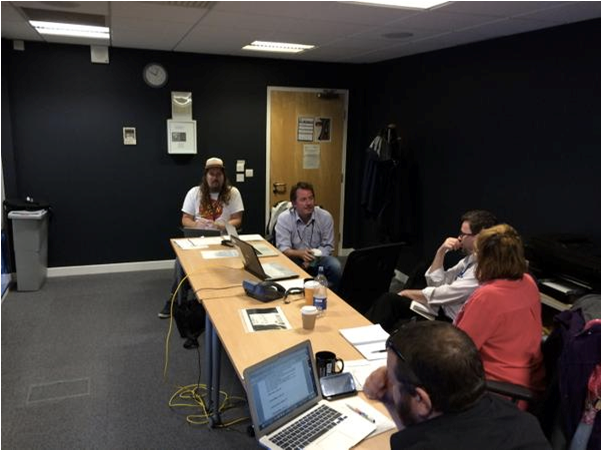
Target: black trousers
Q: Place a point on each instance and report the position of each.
(391, 310)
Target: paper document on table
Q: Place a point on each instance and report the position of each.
(227, 253)
(258, 319)
(191, 243)
(423, 310)
(356, 404)
(370, 341)
(251, 237)
(361, 369)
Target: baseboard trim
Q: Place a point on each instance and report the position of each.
(109, 268)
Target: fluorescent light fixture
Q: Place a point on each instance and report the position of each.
(414, 4)
(282, 47)
(67, 29)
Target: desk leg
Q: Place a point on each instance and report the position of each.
(179, 276)
(208, 360)
(212, 364)
(216, 354)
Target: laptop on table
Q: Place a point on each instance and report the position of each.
(284, 395)
(267, 271)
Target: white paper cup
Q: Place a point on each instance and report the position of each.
(309, 314)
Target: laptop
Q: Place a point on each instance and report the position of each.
(229, 231)
(261, 249)
(267, 271)
(191, 232)
(283, 391)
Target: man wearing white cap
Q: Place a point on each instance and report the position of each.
(210, 205)
(214, 202)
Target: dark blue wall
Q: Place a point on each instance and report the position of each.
(511, 125)
(115, 203)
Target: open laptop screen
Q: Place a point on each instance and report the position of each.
(281, 385)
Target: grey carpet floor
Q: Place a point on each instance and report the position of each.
(82, 368)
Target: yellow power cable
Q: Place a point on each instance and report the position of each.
(190, 391)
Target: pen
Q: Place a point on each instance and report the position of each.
(360, 413)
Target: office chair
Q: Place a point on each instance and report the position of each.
(570, 353)
(367, 274)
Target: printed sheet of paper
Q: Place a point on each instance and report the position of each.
(259, 319)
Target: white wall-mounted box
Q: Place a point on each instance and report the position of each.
(181, 136)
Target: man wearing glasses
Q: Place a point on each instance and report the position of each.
(434, 388)
(446, 290)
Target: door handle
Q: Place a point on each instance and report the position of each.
(279, 188)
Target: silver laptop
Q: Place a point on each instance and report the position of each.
(283, 392)
(261, 249)
(268, 271)
(229, 231)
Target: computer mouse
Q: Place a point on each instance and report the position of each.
(227, 243)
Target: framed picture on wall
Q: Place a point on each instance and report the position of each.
(129, 136)
(181, 136)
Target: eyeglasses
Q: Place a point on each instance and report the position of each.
(462, 234)
(390, 345)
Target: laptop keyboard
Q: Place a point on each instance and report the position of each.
(309, 428)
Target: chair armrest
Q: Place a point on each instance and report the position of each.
(514, 391)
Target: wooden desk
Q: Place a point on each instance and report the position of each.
(218, 284)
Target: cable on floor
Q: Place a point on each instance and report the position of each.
(193, 396)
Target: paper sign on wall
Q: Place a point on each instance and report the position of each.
(305, 129)
(311, 156)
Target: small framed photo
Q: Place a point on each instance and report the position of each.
(129, 136)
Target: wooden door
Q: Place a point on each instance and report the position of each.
(298, 152)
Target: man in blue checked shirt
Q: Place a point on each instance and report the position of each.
(446, 290)
(305, 234)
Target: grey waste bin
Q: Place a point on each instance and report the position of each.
(30, 240)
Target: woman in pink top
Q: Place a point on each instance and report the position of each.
(503, 316)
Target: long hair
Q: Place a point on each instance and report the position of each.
(224, 194)
(500, 254)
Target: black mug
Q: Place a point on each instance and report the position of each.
(326, 363)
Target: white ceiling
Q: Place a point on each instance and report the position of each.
(341, 32)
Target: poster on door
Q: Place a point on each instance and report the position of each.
(305, 129)
(322, 128)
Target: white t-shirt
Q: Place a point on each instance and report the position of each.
(192, 205)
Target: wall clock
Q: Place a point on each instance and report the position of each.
(155, 75)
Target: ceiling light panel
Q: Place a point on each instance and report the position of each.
(280, 47)
(410, 4)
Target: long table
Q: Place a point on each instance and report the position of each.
(217, 283)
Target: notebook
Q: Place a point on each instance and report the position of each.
(268, 271)
(369, 340)
(283, 390)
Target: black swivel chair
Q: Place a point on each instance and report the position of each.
(367, 274)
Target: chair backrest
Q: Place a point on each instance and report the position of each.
(277, 209)
(367, 274)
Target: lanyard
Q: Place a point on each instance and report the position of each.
(461, 275)
(313, 223)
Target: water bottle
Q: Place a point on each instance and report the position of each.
(321, 292)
